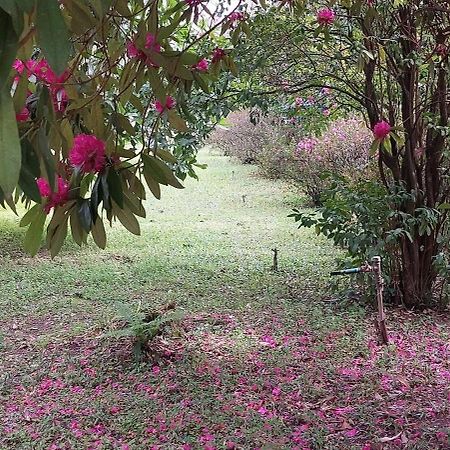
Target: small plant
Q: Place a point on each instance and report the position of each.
(141, 324)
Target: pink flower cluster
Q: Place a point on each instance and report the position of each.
(40, 71)
(306, 145)
(88, 153)
(169, 104)
(54, 199)
(325, 17)
(217, 55)
(236, 17)
(151, 43)
(202, 65)
(381, 130)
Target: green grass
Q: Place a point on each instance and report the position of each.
(247, 331)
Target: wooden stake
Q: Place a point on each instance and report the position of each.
(275, 260)
(381, 322)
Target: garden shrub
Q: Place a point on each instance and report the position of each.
(342, 150)
(244, 138)
(365, 221)
(281, 153)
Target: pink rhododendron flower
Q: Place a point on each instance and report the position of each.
(351, 433)
(381, 130)
(299, 101)
(326, 112)
(18, 66)
(54, 199)
(133, 51)
(88, 153)
(24, 115)
(170, 104)
(202, 65)
(236, 17)
(325, 16)
(151, 43)
(217, 55)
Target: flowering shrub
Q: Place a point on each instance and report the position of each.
(243, 139)
(342, 150)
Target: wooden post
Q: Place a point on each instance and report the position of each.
(275, 260)
(381, 322)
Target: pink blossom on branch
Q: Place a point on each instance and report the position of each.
(54, 199)
(169, 104)
(217, 55)
(325, 16)
(88, 153)
(236, 17)
(202, 65)
(381, 130)
(24, 115)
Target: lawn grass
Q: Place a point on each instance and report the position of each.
(258, 360)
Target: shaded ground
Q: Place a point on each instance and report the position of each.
(257, 362)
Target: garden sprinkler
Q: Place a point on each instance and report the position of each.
(375, 268)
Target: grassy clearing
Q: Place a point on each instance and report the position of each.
(258, 361)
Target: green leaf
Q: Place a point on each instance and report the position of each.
(99, 233)
(8, 46)
(115, 187)
(10, 151)
(52, 34)
(58, 237)
(160, 172)
(30, 216)
(374, 147)
(33, 237)
(176, 121)
(78, 233)
(128, 220)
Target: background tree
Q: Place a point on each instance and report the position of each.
(388, 60)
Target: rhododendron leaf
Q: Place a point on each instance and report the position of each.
(134, 205)
(374, 147)
(26, 5)
(387, 145)
(77, 231)
(128, 220)
(84, 214)
(161, 172)
(52, 34)
(21, 93)
(58, 237)
(121, 6)
(176, 121)
(157, 86)
(166, 156)
(115, 187)
(101, 7)
(46, 157)
(8, 46)
(30, 216)
(200, 80)
(10, 150)
(27, 183)
(99, 233)
(81, 16)
(151, 182)
(33, 236)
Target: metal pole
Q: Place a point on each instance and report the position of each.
(376, 267)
